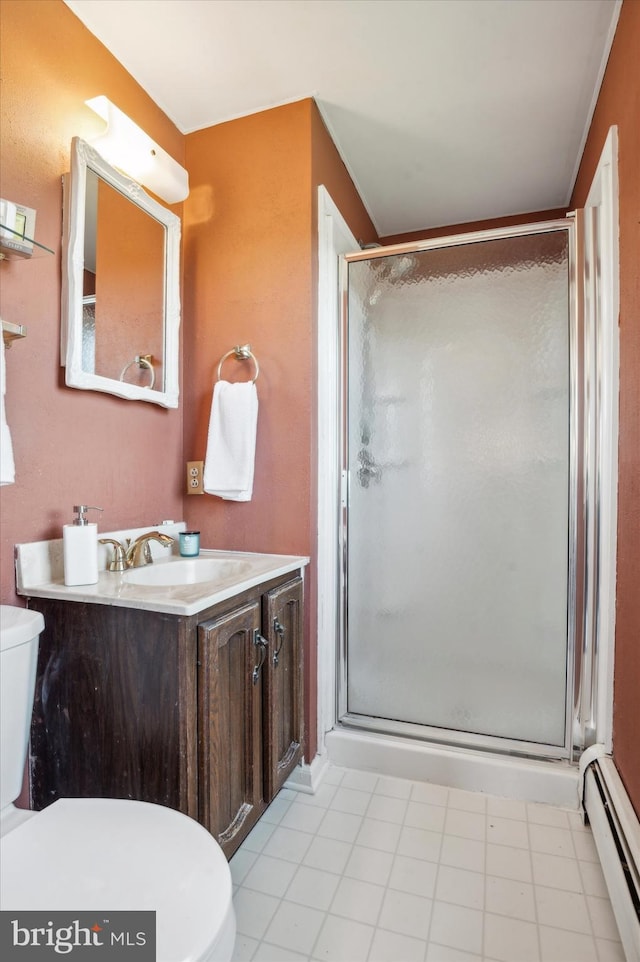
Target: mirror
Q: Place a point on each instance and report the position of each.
(120, 285)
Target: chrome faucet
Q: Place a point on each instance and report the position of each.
(137, 554)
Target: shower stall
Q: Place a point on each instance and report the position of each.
(463, 515)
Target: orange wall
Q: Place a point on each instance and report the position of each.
(248, 280)
(250, 277)
(619, 103)
(70, 446)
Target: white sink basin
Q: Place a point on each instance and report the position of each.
(188, 571)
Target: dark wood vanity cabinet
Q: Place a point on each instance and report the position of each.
(250, 709)
(230, 754)
(114, 708)
(203, 714)
(282, 703)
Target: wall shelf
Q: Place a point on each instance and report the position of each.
(9, 252)
(12, 332)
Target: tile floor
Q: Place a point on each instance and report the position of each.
(375, 869)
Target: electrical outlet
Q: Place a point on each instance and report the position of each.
(194, 477)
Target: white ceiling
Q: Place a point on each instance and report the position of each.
(444, 111)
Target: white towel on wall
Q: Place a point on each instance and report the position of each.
(231, 443)
(7, 466)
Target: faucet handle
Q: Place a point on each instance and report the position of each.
(118, 561)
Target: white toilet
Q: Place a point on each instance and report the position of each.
(90, 854)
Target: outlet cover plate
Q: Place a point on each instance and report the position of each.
(195, 470)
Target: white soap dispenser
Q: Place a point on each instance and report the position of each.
(80, 548)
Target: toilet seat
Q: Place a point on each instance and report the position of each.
(115, 854)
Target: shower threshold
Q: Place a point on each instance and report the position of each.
(551, 781)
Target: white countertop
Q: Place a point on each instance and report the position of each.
(38, 580)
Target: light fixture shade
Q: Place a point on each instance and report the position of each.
(125, 146)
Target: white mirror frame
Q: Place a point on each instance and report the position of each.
(84, 157)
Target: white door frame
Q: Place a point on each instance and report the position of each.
(602, 302)
(334, 239)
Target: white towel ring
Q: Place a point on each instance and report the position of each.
(242, 352)
(142, 360)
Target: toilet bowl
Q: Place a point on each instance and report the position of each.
(107, 855)
(97, 854)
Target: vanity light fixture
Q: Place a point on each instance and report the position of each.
(125, 146)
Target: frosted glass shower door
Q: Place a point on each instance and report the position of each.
(458, 389)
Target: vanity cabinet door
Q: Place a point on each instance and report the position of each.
(282, 684)
(114, 710)
(230, 649)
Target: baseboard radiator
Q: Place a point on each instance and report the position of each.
(616, 832)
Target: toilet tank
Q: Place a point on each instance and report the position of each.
(19, 633)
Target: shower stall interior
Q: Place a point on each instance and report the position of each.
(463, 508)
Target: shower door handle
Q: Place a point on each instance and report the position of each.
(368, 470)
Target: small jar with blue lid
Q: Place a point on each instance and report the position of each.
(189, 544)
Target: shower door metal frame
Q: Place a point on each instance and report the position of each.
(576, 601)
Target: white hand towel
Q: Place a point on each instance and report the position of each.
(231, 444)
(7, 466)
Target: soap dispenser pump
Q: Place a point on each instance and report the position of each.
(80, 548)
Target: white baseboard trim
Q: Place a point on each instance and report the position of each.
(307, 778)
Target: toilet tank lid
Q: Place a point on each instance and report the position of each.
(18, 626)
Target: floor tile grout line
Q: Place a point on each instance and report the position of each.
(282, 899)
(435, 884)
(306, 831)
(327, 912)
(390, 872)
(484, 888)
(445, 901)
(394, 853)
(386, 886)
(375, 926)
(341, 876)
(584, 894)
(533, 888)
